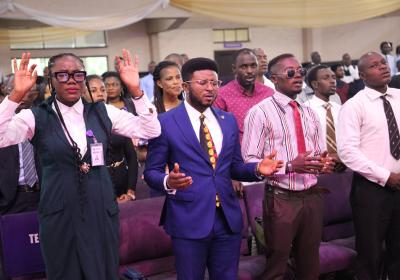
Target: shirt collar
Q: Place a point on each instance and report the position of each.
(318, 101)
(76, 108)
(373, 94)
(282, 99)
(194, 114)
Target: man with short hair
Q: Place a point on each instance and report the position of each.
(292, 204)
(386, 49)
(147, 82)
(350, 70)
(200, 145)
(239, 95)
(323, 82)
(262, 68)
(368, 142)
(342, 88)
(315, 58)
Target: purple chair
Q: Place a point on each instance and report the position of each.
(20, 244)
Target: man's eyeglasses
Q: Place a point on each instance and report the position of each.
(214, 84)
(64, 76)
(290, 73)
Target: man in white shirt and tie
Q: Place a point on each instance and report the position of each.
(368, 142)
(323, 82)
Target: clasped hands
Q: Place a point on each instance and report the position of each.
(306, 163)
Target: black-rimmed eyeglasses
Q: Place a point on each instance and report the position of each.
(64, 76)
(290, 73)
(214, 84)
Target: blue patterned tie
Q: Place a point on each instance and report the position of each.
(28, 163)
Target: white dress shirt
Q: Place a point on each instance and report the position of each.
(353, 70)
(268, 82)
(213, 126)
(317, 104)
(147, 85)
(16, 128)
(363, 136)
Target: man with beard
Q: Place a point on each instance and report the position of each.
(239, 95)
(292, 204)
(369, 143)
(200, 145)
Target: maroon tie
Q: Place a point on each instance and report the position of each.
(301, 144)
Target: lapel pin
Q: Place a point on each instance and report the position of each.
(222, 117)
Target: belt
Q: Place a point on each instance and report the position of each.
(28, 189)
(116, 164)
(303, 193)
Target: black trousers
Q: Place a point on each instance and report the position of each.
(376, 214)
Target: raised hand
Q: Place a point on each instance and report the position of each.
(269, 165)
(128, 69)
(177, 180)
(24, 78)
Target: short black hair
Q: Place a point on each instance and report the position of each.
(197, 64)
(243, 51)
(312, 74)
(334, 67)
(93, 77)
(278, 58)
(109, 74)
(384, 43)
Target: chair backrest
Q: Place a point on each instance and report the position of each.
(20, 244)
(141, 237)
(338, 221)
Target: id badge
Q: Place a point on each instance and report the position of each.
(96, 151)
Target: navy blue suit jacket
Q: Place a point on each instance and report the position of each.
(190, 212)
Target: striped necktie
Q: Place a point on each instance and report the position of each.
(330, 130)
(394, 136)
(28, 162)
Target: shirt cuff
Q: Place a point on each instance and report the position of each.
(8, 107)
(168, 190)
(143, 106)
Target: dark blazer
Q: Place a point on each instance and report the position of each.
(9, 174)
(190, 212)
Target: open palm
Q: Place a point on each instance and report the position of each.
(129, 71)
(24, 77)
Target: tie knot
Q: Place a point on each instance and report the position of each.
(327, 106)
(383, 97)
(202, 117)
(293, 104)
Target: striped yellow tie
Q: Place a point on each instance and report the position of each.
(330, 130)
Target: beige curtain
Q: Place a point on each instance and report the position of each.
(33, 35)
(290, 13)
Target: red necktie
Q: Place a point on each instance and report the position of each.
(301, 144)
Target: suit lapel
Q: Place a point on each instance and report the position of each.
(183, 123)
(225, 131)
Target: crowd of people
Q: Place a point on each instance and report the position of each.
(73, 144)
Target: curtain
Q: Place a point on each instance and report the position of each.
(33, 35)
(289, 13)
(82, 14)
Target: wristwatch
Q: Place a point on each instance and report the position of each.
(289, 167)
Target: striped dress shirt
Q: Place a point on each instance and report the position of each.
(270, 126)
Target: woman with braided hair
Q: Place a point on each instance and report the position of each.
(78, 213)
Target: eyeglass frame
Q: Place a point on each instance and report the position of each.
(219, 82)
(302, 71)
(70, 75)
